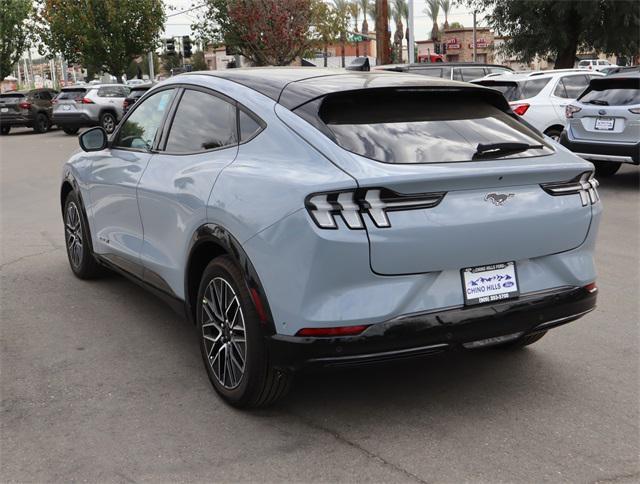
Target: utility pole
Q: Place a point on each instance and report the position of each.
(474, 37)
(152, 74)
(382, 32)
(411, 37)
(31, 78)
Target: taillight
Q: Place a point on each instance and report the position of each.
(520, 109)
(86, 100)
(338, 331)
(591, 288)
(570, 110)
(352, 205)
(24, 105)
(584, 185)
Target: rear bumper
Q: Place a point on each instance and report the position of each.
(73, 119)
(427, 333)
(16, 120)
(614, 152)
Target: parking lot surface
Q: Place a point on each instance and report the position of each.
(100, 381)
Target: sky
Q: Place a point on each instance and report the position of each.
(178, 25)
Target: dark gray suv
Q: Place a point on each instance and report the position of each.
(26, 108)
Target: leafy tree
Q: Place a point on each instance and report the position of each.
(14, 33)
(268, 32)
(327, 27)
(198, 63)
(140, 66)
(558, 29)
(107, 34)
(433, 10)
(342, 11)
(170, 61)
(456, 25)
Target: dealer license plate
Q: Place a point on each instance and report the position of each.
(490, 283)
(66, 108)
(4, 110)
(605, 123)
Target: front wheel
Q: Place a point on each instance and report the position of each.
(108, 122)
(41, 124)
(233, 349)
(606, 168)
(81, 259)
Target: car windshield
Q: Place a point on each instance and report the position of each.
(71, 94)
(417, 126)
(612, 92)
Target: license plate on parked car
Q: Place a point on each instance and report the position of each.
(4, 110)
(494, 282)
(605, 123)
(66, 108)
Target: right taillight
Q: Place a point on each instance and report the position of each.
(86, 100)
(352, 205)
(584, 185)
(634, 110)
(570, 110)
(520, 109)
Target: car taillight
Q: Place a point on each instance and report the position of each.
(351, 205)
(520, 109)
(591, 288)
(570, 110)
(634, 110)
(86, 100)
(338, 331)
(24, 105)
(584, 185)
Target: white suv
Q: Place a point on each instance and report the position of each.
(540, 97)
(595, 64)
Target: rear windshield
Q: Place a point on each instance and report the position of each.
(516, 91)
(612, 92)
(71, 94)
(417, 126)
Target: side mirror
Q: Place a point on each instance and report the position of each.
(94, 139)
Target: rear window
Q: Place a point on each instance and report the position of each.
(71, 94)
(418, 126)
(612, 92)
(515, 91)
(136, 93)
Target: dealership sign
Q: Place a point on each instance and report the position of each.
(480, 44)
(453, 44)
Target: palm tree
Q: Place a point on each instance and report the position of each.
(446, 6)
(365, 7)
(403, 8)
(342, 10)
(400, 11)
(433, 10)
(354, 10)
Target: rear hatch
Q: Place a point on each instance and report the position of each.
(69, 100)
(10, 104)
(609, 111)
(457, 177)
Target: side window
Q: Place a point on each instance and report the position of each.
(428, 71)
(139, 130)
(45, 95)
(35, 95)
(457, 74)
(470, 73)
(249, 127)
(560, 90)
(574, 85)
(533, 87)
(202, 122)
(122, 91)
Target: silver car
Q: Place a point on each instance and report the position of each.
(95, 105)
(604, 123)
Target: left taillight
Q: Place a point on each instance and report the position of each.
(24, 105)
(352, 205)
(86, 100)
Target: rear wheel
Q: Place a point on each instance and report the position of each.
(233, 349)
(606, 168)
(5, 129)
(81, 259)
(108, 122)
(70, 130)
(41, 124)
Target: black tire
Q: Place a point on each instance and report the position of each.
(108, 122)
(259, 383)
(70, 130)
(606, 168)
(5, 129)
(522, 342)
(83, 263)
(41, 123)
(554, 133)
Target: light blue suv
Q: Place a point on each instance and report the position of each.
(308, 217)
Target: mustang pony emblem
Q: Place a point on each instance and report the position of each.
(498, 199)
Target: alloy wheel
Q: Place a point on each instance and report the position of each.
(223, 331)
(73, 232)
(108, 123)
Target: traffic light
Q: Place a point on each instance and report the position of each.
(186, 46)
(437, 47)
(170, 46)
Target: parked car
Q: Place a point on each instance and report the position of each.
(604, 122)
(457, 71)
(31, 109)
(305, 217)
(540, 97)
(595, 64)
(135, 82)
(93, 105)
(136, 93)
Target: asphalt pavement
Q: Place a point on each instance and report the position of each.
(101, 382)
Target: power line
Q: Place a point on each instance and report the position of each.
(187, 10)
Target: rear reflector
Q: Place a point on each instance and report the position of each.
(257, 302)
(591, 288)
(339, 331)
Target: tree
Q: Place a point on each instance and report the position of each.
(354, 11)
(107, 34)
(446, 6)
(365, 7)
(267, 32)
(456, 25)
(198, 63)
(327, 27)
(342, 11)
(398, 13)
(433, 10)
(558, 29)
(14, 33)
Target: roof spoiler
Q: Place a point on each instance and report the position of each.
(359, 64)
